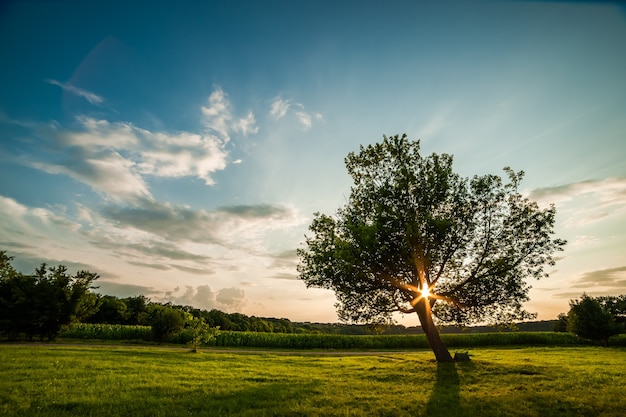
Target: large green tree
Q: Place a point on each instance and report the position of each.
(415, 237)
(595, 318)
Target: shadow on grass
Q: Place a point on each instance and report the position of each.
(261, 396)
(445, 399)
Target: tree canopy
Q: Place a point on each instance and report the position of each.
(42, 303)
(416, 237)
(597, 318)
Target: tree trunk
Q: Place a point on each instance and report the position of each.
(432, 334)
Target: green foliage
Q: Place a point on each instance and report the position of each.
(618, 340)
(590, 319)
(111, 310)
(107, 332)
(166, 322)
(198, 333)
(43, 303)
(616, 305)
(377, 342)
(303, 341)
(410, 223)
(561, 323)
(62, 381)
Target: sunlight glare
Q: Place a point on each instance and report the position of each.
(425, 291)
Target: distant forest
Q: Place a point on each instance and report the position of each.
(41, 304)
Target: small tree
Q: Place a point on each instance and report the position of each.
(415, 237)
(200, 332)
(588, 319)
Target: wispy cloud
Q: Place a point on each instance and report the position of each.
(586, 201)
(286, 276)
(72, 89)
(584, 241)
(601, 281)
(157, 236)
(219, 118)
(613, 278)
(280, 107)
(611, 190)
(247, 125)
(230, 227)
(114, 158)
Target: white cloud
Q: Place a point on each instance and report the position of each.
(24, 225)
(233, 228)
(304, 118)
(280, 107)
(609, 190)
(247, 125)
(218, 117)
(585, 202)
(114, 158)
(180, 155)
(232, 298)
(87, 95)
(203, 297)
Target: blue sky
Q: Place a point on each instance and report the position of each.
(179, 150)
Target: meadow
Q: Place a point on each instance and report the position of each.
(72, 380)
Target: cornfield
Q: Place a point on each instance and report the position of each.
(334, 341)
(107, 332)
(346, 342)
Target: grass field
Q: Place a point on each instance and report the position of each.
(64, 380)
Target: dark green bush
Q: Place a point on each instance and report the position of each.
(618, 340)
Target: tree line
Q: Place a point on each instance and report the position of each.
(42, 304)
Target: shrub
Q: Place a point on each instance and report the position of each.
(618, 340)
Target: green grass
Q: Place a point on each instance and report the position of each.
(65, 380)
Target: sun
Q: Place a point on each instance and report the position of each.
(425, 291)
